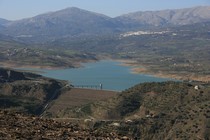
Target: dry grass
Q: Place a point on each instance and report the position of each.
(78, 97)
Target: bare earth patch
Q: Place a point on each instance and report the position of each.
(77, 97)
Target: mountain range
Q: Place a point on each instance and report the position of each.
(75, 22)
(168, 17)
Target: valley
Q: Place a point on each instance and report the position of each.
(178, 53)
(167, 44)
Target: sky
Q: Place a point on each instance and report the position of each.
(19, 9)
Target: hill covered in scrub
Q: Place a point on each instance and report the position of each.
(167, 110)
(27, 91)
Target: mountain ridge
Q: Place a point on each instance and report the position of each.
(64, 23)
(75, 22)
(170, 16)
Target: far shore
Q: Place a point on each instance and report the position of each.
(13, 65)
(142, 69)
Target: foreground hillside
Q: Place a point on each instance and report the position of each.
(23, 93)
(16, 125)
(167, 110)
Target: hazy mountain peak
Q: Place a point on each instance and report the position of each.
(74, 11)
(3, 21)
(73, 8)
(164, 17)
(63, 23)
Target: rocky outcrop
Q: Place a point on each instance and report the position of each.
(15, 125)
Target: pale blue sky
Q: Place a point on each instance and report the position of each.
(18, 9)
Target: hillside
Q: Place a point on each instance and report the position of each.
(14, 53)
(16, 125)
(180, 52)
(168, 110)
(26, 91)
(73, 98)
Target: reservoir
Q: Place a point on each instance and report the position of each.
(111, 74)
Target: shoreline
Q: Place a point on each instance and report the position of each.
(12, 65)
(136, 68)
(143, 69)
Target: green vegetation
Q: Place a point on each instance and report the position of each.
(26, 91)
(20, 55)
(166, 110)
(30, 105)
(129, 104)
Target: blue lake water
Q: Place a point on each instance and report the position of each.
(111, 74)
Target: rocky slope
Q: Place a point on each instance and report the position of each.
(167, 110)
(26, 91)
(16, 125)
